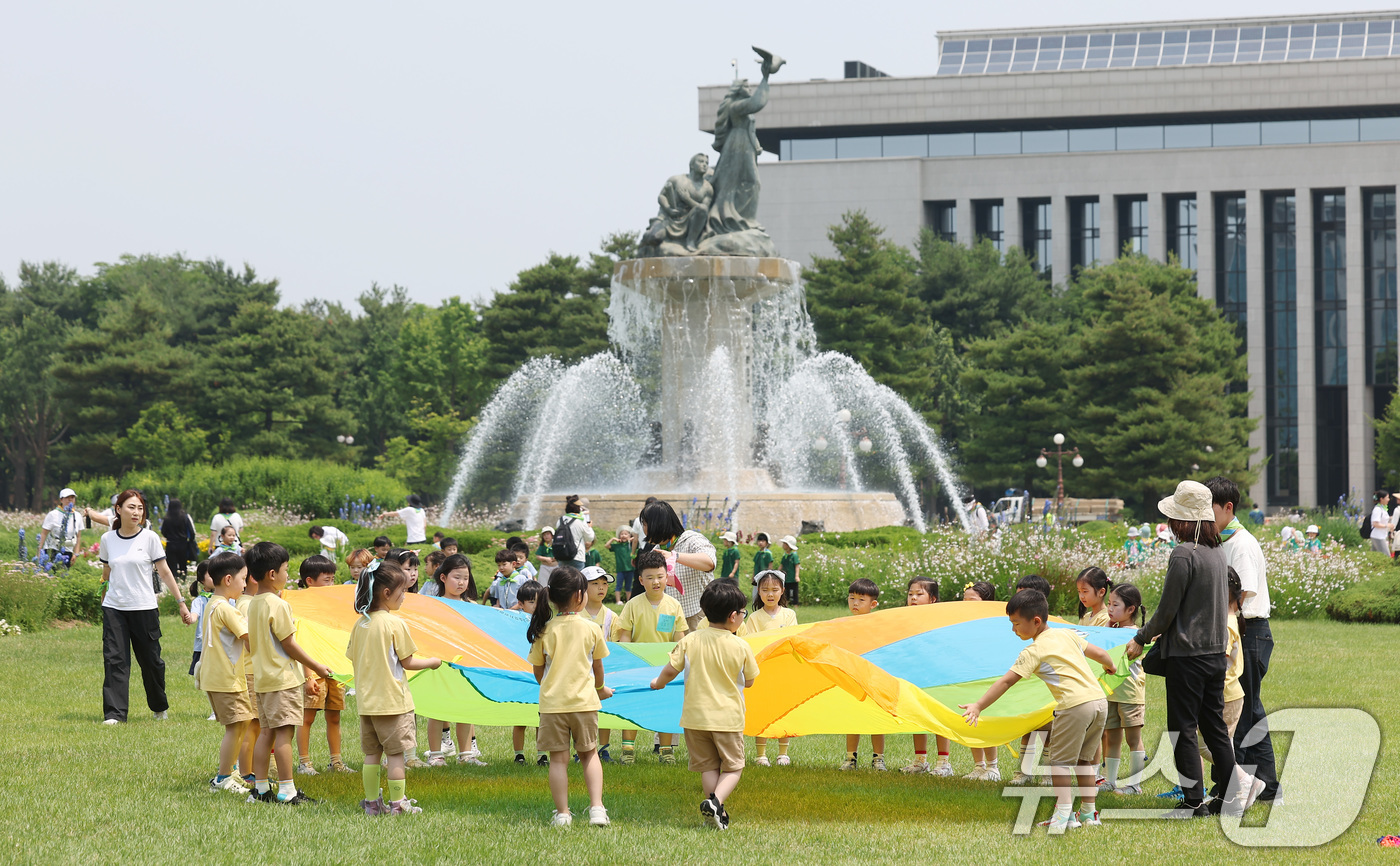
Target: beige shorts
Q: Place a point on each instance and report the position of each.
(1124, 716)
(390, 735)
(1075, 733)
(332, 696)
(1232, 719)
(715, 750)
(230, 708)
(280, 709)
(556, 729)
(252, 697)
(693, 622)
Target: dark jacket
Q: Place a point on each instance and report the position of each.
(1195, 603)
(181, 542)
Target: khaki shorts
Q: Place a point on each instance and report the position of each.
(280, 709)
(252, 697)
(693, 622)
(1124, 716)
(332, 696)
(556, 729)
(230, 708)
(1075, 734)
(390, 735)
(715, 750)
(1232, 719)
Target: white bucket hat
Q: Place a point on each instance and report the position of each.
(67, 492)
(1313, 529)
(729, 537)
(789, 541)
(1191, 501)
(1134, 532)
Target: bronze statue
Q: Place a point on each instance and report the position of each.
(685, 211)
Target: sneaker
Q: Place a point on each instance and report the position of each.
(349, 693)
(1018, 779)
(404, 807)
(711, 810)
(437, 760)
(916, 768)
(605, 757)
(299, 799)
(520, 759)
(338, 766)
(1106, 785)
(469, 759)
(542, 761)
(1173, 794)
(1060, 823)
(413, 763)
(268, 796)
(161, 716)
(848, 764)
(629, 757)
(1128, 790)
(1184, 812)
(374, 807)
(723, 817)
(1256, 789)
(304, 768)
(231, 784)
(878, 763)
(1099, 782)
(448, 747)
(784, 761)
(762, 761)
(111, 721)
(942, 768)
(993, 774)
(474, 751)
(667, 758)
(1090, 820)
(212, 718)
(561, 819)
(977, 774)
(598, 816)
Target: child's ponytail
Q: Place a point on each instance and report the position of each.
(564, 583)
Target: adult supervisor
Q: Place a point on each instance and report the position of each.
(1243, 554)
(1190, 623)
(692, 553)
(130, 618)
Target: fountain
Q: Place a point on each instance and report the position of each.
(714, 391)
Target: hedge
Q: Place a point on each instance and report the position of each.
(1374, 600)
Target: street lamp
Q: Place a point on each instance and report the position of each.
(1060, 453)
(344, 439)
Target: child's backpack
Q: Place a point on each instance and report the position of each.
(564, 549)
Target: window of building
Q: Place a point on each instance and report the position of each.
(1281, 346)
(1036, 219)
(988, 217)
(1230, 258)
(1132, 223)
(1330, 334)
(1181, 229)
(942, 217)
(1084, 233)
(1380, 288)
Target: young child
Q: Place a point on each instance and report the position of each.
(791, 566)
(228, 541)
(527, 601)
(1233, 692)
(567, 652)
(1313, 544)
(277, 680)
(433, 561)
(324, 695)
(201, 590)
(357, 560)
(729, 564)
(522, 559)
(762, 558)
(1133, 547)
(221, 669)
(1033, 743)
(924, 590)
(506, 585)
(448, 546)
(437, 539)
(591, 557)
(621, 548)
(1093, 586)
(1058, 656)
(769, 611)
(862, 598)
(1127, 703)
(716, 662)
(544, 555)
(453, 582)
(381, 650)
(381, 546)
(985, 767)
(407, 561)
(653, 617)
(250, 735)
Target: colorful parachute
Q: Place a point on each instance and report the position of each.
(903, 670)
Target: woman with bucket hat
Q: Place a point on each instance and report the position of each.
(1190, 626)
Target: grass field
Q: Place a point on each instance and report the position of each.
(78, 792)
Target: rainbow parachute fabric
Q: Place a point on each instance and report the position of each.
(903, 670)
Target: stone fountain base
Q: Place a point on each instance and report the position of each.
(776, 513)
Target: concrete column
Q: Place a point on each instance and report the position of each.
(1060, 238)
(1010, 222)
(1205, 245)
(1157, 226)
(1109, 245)
(967, 222)
(1307, 348)
(1360, 475)
(1254, 333)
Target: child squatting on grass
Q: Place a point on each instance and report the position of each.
(1058, 656)
(567, 653)
(716, 662)
(381, 650)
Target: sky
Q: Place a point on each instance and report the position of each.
(439, 146)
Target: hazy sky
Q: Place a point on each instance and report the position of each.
(440, 146)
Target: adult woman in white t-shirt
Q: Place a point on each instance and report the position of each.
(130, 615)
(415, 520)
(1381, 524)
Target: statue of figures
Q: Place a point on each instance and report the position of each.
(685, 211)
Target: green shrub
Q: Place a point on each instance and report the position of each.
(78, 596)
(1374, 600)
(878, 537)
(27, 597)
(1342, 530)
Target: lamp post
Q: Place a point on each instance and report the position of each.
(1060, 453)
(843, 417)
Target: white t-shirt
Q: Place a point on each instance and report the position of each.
(415, 520)
(221, 520)
(1380, 522)
(131, 561)
(53, 522)
(332, 538)
(1246, 557)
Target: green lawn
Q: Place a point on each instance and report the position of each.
(78, 792)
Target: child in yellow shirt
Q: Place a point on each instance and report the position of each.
(326, 696)
(770, 610)
(223, 645)
(654, 617)
(594, 609)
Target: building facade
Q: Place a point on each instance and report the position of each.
(1262, 153)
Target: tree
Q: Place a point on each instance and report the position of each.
(163, 436)
(1388, 444)
(976, 292)
(548, 310)
(425, 460)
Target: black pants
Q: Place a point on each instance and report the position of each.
(792, 593)
(1196, 700)
(1257, 641)
(122, 632)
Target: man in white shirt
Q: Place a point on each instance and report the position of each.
(1381, 524)
(977, 517)
(1243, 554)
(61, 528)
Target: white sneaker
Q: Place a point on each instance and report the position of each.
(1020, 779)
(111, 722)
(350, 693)
(977, 774)
(598, 816)
(448, 747)
(1128, 790)
(1091, 821)
(762, 761)
(1060, 823)
(473, 752)
(784, 760)
(942, 768)
(232, 784)
(1107, 784)
(161, 716)
(993, 774)
(212, 718)
(562, 819)
(470, 759)
(916, 768)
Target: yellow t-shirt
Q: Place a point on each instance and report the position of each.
(221, 652)
(759, 620)
(1132, 690)
(716, 664)
(648, 624)
(603, 620)
(269, 623)
(377, 649)
(566, 651)
(242, 604)
(1057, 657)
(1091, 618)
(1235, 653)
